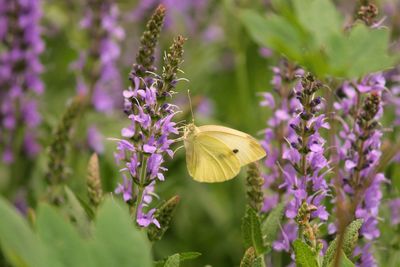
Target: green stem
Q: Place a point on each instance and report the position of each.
(141, 186)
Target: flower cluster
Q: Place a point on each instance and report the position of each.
(283, 106)
(20, 81)
(306, 179)
(297, 170)
(359, 151)
(146, 140)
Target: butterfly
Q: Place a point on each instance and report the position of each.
(216, 153)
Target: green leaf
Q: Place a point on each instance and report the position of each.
(362, 51)
(344, 261)
(20, 245)
(274, 32)
(349, 242)
(173, 261)
(251, 230)
(74, 210)
(183, 256)
(309, 14)
(61, 238)
(304, 255)
(117, 239)
(320, 45)
(270, 227)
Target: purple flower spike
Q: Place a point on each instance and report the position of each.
(20, 70)
(147, 138)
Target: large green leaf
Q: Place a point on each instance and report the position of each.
(20, 245)
(362, 51)
(311, 34)
(116, 235)
(309, 14)
(62, 238)
(74, 210)
(304, 256)
(251, 230)
(275, 32)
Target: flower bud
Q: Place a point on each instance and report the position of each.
(164, 216)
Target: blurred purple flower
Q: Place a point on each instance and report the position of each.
(287, 235)
(95, 140)
(362, 134)
(20, 70)
(394, 207)
(101, 22)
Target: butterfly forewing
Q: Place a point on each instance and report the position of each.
(244, 146)
(210, 160)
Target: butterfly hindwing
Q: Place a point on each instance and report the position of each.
(244, 146)
(210, 160)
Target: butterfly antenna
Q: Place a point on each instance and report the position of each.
(190, 104)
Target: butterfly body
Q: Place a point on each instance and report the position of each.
(216, 153)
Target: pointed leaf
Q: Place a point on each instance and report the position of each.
(304, 255)
(61, 238)
(344, 261)
(74, 210)
(251, 230)
(116, 235)
(20, 245)
(270, 227)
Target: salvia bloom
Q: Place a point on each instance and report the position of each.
(283, 104)
(146, 140)
(359, 151)
(20, 82)
(306, 181)
(300, 165)
(96, 69)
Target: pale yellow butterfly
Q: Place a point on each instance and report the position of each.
(216, 153)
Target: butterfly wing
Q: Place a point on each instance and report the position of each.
(210, 160)
(245, 147)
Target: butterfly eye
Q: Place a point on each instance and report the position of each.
(235, 150)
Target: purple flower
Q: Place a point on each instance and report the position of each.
(361, 103)
(95, 140)
(287, 235)
(125, 189)
(366, 257)
(145, 219)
